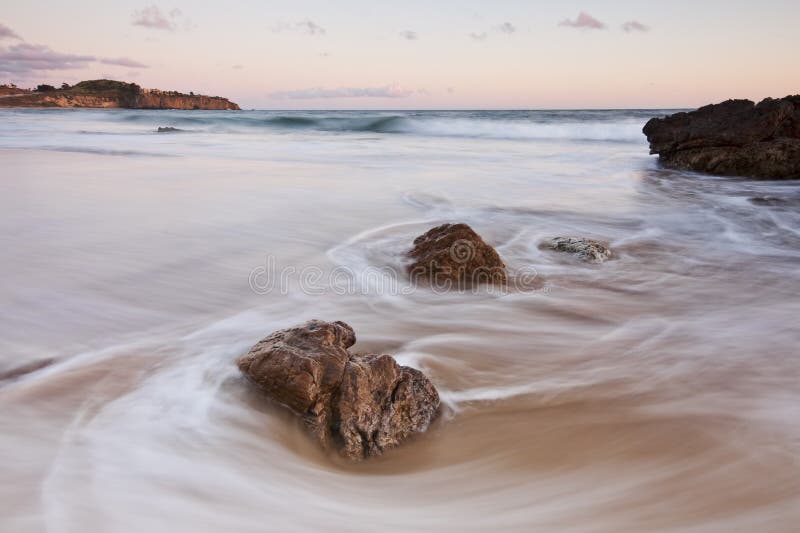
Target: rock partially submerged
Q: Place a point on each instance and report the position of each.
(734, 138)
(586, 249)
(167, 129)
(360, 404)
(454, 255)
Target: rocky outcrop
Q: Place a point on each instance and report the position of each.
(585, 249)
(116, 94)
(453, 255)
(359, 404)
(734, 138)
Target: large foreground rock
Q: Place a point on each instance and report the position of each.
(454, 255)
(358, 404)
(734, 138)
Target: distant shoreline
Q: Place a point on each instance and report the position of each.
(109, 94)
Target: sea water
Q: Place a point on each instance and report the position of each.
(658, 391)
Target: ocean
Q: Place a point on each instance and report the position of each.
(657, 391)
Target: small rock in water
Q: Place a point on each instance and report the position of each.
(586, 249)
(360, 404)
(453, 254)
(167, 129)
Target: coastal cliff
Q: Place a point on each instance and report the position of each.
(115, 94)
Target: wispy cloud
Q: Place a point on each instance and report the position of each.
(8, 33)
(152, 17)
(634, 25)
(237, 67)
(25, 59)
(409, 35)
(311, 28)
(122, 62)
(585, 21)
(304, 26)
(386, 91)
(507, 27)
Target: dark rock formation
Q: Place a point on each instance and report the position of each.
(167, 129)
(115, 94)
(586, 249)
(454, 255)
(358, 404)
(734, 138)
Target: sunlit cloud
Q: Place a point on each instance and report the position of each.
(386, 91)
(585, 21)
(122, 62)
(409, 35)
(8, 33)
(152, 17)
(506, 27)
(634, 25)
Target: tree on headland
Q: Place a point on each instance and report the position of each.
(65, 86)
(44, 88)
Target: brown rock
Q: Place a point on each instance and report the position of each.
(454, 255)
(735, 138)
(359, 404)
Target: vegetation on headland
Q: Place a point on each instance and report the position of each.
(108, 94)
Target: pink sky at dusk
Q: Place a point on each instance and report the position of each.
(448, 54)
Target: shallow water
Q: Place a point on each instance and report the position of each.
(655, 392)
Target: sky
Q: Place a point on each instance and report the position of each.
(414, 54)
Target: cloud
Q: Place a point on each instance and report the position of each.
(585, 21)
(311, 27)
(8, 33)
(451, 90)
(507, 27)
(122, 62)
(152, 17)
(24, 59)
(304, 26)
(478, 36)
(409, 35)
(634, 25)
(387, 91)
(237, 67)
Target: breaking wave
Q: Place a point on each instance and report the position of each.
(620, 126)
